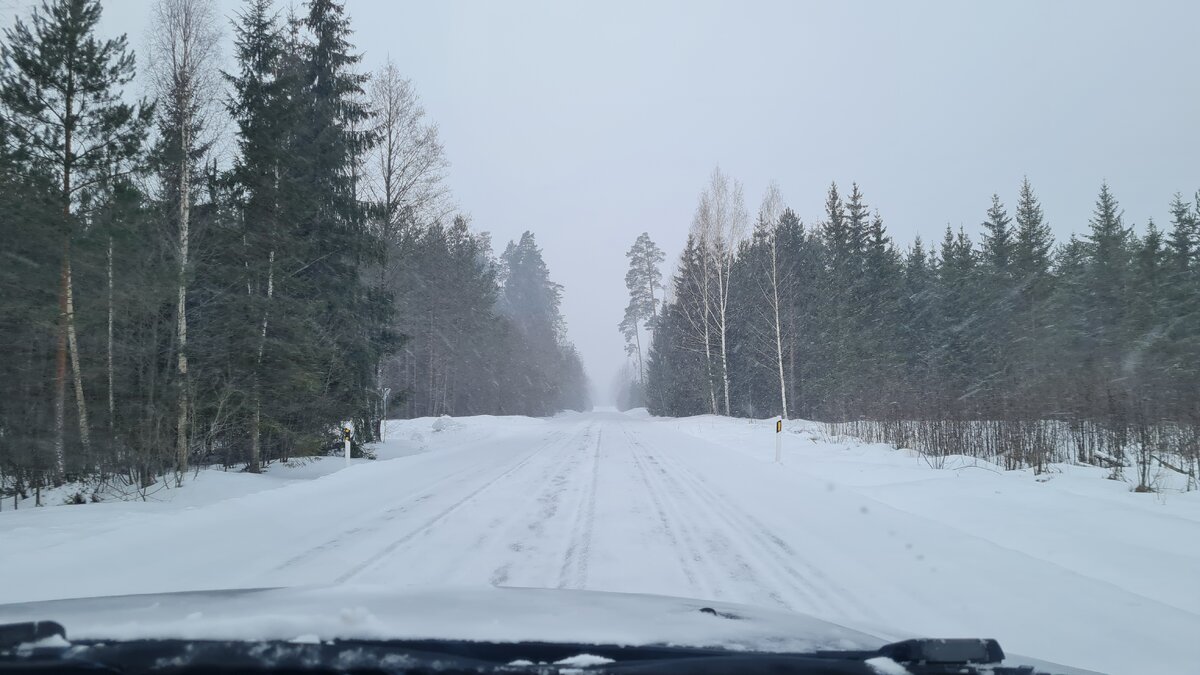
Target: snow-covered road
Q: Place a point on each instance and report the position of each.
(859, 535)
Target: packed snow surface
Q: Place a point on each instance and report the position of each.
(1067, 566)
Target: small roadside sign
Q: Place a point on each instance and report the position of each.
(778, 441)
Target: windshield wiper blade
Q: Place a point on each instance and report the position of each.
(16, 634)
(24, 644)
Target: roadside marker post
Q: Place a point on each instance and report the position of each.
(778, 441)
(346, 440)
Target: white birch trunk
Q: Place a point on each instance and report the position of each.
(184, 49)
(783, 404)
(181, 429)
(73, 348)
(704, 294)
(723, 322)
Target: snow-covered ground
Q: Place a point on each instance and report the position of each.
(1067, 567)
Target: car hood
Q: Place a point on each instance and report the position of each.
(483, 614)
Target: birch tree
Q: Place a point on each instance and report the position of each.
(408, 164)
(183, 51)
(696, 309)
(774, 281)
(720, 226)
(406, 184)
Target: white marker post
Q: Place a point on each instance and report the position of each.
(778, 441)
(346, 439)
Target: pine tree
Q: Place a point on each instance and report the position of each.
(642, 280)
(61, 94)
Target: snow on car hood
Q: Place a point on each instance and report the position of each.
(486, 614)
(309, 614)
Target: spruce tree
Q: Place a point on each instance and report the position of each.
(1181, 242)
(1032, 320)
(531, 300)
(1181, 328)
(263, 353)
(957, 322)
(1107, 245)
(997, 238)
(30, 215)
(878, 336)
(1147, 296)
(332, 223)
(997, 306)
(857, 223)
(678, 381)
(1032, 246)
(917, 332)
(834, 230)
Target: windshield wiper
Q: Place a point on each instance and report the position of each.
(43, 646)
(13, 635)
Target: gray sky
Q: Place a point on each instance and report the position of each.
(590, 123)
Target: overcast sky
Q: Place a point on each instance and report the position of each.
(589, 123)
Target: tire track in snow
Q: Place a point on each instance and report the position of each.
(734, 537)
(664, 522)
(811, 584)
(687, 544)
(575, 560)
(557, 477)
(442, 515)
(725, 551)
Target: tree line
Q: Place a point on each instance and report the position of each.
(164, 305)
(1012, 347)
